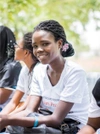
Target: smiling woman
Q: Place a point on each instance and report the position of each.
(58, 84)
(42, 46)
(44, 41)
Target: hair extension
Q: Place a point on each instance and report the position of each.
(58, 32)
(27, 41)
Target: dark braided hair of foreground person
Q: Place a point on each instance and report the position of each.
(27, 40)
(7, 42)
(58, 32)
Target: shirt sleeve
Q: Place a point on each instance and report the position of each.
(10, 76)
(20, 83)
(74, 87)
(94, 109)
(35, 87)
(96, 92)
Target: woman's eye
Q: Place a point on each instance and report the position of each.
(45, 44)
(34, 46)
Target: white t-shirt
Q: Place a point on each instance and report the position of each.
(94, 109)
(24, 81)
(98, 131)
(71, 87)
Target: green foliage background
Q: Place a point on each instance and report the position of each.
(22, 15)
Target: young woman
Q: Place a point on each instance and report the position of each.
(9, 68)
(23, 52)
(94, 112)
(58, 85)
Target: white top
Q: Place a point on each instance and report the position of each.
(98, 131)
(71, 87)
(24, 81)
(94, 109)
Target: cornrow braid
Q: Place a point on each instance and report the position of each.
(58, 32)
(54, 27)
(27, 41)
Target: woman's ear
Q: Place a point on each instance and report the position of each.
(26, 53)
(60, 43)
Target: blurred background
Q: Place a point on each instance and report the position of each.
(80, 19)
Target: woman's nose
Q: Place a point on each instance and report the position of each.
(39, 48)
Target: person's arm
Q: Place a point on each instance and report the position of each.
(94, 122)
(8, 81)
(4, 95)
(20, 118)
(92, 125)
(13, 103)
(53, 120)
(22, 107)
(94, 112)
(86, 130)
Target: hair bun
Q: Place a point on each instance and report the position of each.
(67, 50)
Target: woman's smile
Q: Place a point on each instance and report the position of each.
(42, 56)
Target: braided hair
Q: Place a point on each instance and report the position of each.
(7, 42)
(58, 32)
(27, 44)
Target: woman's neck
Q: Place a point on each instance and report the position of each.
(57, 66)
(29, 63)
(54, 71)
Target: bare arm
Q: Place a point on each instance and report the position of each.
(86, 130)
(58, 115)
(94, 122)
(62, 109)
(52, 120)
(20, 118)
(13, 103)
(22, 107)
(92, 125)
(4, 95)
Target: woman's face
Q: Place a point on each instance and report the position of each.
(45, 48)
(19, 51)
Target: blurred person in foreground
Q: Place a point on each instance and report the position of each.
(93, 124)
(9, 68)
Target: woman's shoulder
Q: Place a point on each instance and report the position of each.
(73, 65)
(16, 64)
(13, 65)
(73, 68)
(25, 69)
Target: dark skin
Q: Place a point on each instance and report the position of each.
(95, 122)
(47, 50)
(89, 128)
